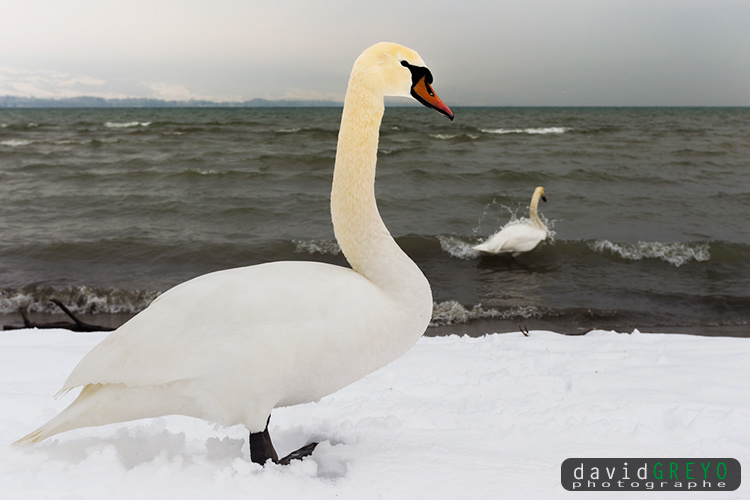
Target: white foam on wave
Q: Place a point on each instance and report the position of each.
(292, 130)
(676, 254)
(126, 124)
(79, 299)
(325, 247)
(533, 131)
(444, 136)
(447, 137)
(14, 143)
(456, 247)
(451, 313)
(205, 172)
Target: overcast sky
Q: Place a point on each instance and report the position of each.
(497, 52)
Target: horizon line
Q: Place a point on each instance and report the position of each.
(84, 101)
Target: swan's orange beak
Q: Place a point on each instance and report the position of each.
(422, 92)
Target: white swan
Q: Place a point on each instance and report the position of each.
(519, 237)
(230, 346)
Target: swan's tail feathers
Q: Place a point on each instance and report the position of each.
(72, 417)
(482, 247)
(493, 244)
(488, 247)
(33, 437)
(100, 404)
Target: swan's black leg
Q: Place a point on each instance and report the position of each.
(261, 449)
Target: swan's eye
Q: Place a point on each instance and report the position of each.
(418, 72)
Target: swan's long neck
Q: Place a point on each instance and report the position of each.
(359, 230)
(533, 213)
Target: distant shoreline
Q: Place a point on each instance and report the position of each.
(15, 102)
(12, 102)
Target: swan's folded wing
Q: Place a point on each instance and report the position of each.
(174, 337)
(493, 244)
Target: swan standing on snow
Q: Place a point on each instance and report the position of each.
(230, 346)
(519, 237)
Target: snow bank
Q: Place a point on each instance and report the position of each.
(456, 417)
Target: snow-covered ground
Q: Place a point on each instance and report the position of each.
(455, 418)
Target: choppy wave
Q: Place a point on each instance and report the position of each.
(14, 143)
(676, 254)
(532, 131)
(126, 124)
(79, 299)
(451, 313)
(447, 137)
(210, 171)
(323, 247)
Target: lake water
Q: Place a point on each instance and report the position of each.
(106, 208)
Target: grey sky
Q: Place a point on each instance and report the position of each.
(498, 52)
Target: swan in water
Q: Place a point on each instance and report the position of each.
(519, 237)
(230, 346)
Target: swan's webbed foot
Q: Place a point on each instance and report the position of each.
(261, 449)
(303, 452)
